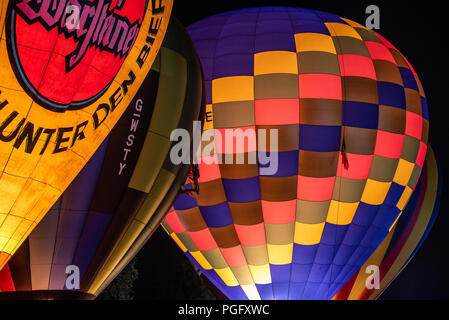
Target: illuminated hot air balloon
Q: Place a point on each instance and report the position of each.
(403, 241)
(315, 197)
(69, 69)
(124, 191)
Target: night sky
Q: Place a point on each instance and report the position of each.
(417, 31)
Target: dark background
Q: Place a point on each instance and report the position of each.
(418, 31)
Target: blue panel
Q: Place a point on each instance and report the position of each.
(310, 27)
(296, 290)
(408, 78)
(333, 234)
(319, 138)
(310, 291)
(239, 64)
(184, 202)
(394, 194)
(280, 273)
(300, 272)
(329, 17)
(275, 42)
(274, 23)
(325, 253)
(217, 216)
(235, 45)
(360, 115)
(304, 254)
(386, 216)
(391, 94)
(365, 214)
(287, 162)
(281, 290)
(425, 108)
(242, 190)
(265, 291)
(355, 234)
(318, 272)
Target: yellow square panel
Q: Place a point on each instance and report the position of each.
(275, 62)
(280, 254)
(308, 234)
(11, 187)
(251, 291)
(261, 274)
(403, 172)
(314, 42)
(404, 198)
(178, 242)
(375, 192)
(231, 89)
(208, 118)
(227, 276)
(201, 260)
(341, 213)
(342, 30)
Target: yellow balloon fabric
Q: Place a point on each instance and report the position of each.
(65, 82)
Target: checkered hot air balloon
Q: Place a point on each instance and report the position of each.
(352, 126)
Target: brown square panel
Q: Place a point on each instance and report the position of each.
(280, 234)
(256, 256)
(410, 149)
(243, 275)
(413, 101)
(187, 241)
(312, 212)
(215, 258)
(360, 89)
(239, 171)
(322, 112)
(399, 58)
(360, 140)
(392, 119)
(317, 164)
(318, 62)
(383, 169)
(234, 114)
(414, 177)
(276, 86)
(278, 189)
(288, 137)
(425, 131)
(206, 146)
(350, 45)
(192, 219)
(211, 193)
(225, 237)
(246, 213)
(387, 72)
(348, 190)
(367, 35)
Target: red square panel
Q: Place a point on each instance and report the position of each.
(203, 240)
(279, 212)
(421, 154)
(234, 256)
(174, 222)
(315, 189)
(379, 51)
(389, 145)
(209, 169)
(320, 86)
(252, 235)
(277, 111)
(353, 65)
(413, 126)
(359, 166)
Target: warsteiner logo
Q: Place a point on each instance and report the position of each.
(83, 45)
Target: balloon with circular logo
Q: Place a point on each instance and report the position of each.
(69, 69)
(315, 137)
(122, 194)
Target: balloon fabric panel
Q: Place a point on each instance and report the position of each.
(335, 91)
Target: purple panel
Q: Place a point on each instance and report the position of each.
(206, 48)
(93, 232)
(310, 27)
(244, 28)
(235, 45)
(300, 272)
(270, 26)
(304, 254)
(325, 254)
(275, 42)
(234, 65)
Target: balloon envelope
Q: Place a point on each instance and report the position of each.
(65, 82)
(351, 124)
(124, 191)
